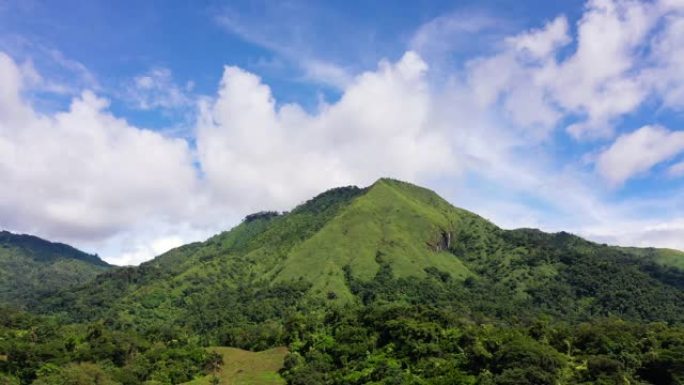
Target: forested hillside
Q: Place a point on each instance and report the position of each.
(388, 284)
(31, 267)
(330, 249)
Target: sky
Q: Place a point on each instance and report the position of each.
(131, 127)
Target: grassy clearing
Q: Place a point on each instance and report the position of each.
(665, 257)
(242, 367)
(669, 257)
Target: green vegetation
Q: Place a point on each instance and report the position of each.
(665, 257)
(42, 350)
(415, 344)
(31, 267)
(384, 285)
(242, 367)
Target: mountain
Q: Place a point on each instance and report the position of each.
(392, 241)
(388, 284)
(31, 267)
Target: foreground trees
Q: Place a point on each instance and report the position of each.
(399, 344)
(377, 343)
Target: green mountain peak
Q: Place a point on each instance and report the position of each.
(358, 282)
(350, 244)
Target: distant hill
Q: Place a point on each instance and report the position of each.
(31, 267)
(392, 241)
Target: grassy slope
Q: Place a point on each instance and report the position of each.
(665, 257)
(394, 223)
(242, 367)
(253, 250)
(669, 257)
(390, 222)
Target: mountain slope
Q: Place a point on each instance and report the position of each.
(393, 223)
(392, 241)
(31, 267)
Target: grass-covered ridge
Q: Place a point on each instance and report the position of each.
(393, 223)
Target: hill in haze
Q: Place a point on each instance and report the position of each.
(31, 267)
(392, 241)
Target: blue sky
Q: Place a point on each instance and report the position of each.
(130, 127)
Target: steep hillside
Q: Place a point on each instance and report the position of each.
(392, 241)
(31, 267)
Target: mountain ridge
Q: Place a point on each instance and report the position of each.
(386, 284)
(330, 248)
(31, 267)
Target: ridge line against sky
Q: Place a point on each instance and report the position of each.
(122, 134)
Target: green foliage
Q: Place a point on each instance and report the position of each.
(75, 374)
(31, 267)
(392, 343)
(384, 285)
(43, 350)
(345, 244)
(8, 380)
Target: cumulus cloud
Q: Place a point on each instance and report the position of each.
(622, 55)
(638, 152)
(253, 152)
(645, 233)
(83, 173)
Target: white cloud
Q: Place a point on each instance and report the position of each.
(667, 233)
(624, 53)
(273, 31)
(82, 173)
(46, 69)
(157, 89)
(676, 170)
(638, 152)
(452, 32)
(668, 75)
(541, 44)
(252, 152)
(516, 78)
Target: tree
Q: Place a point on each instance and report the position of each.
(76, 374)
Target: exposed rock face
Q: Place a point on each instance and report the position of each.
(443, 243)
